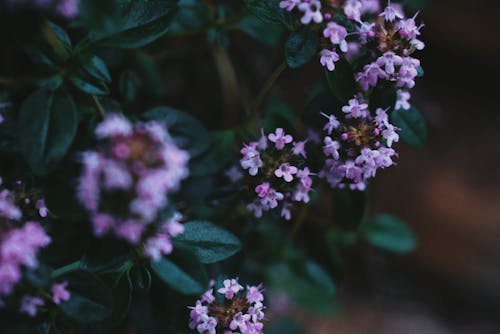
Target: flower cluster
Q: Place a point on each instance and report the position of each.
(387, 39)
(275, 177)
(20, 243)
(126, 181)
(238, 312)
(357, 145)
(64, 8)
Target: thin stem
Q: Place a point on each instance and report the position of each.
(99, 106)
(254, 110)
(66, 269)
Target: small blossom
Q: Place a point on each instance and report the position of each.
(60, 292)
(30, 304)
(286, 171)
(231, 287)
(329, 58)
(352, 9)
(280, 138)
(355, 109)
(403, 99)
(390, 14)
(311, 11)
(337, 34)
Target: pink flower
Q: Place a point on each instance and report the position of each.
(279, 138)
(231, 288)
(60, 293)
(337, 34)
(390, 14)
(286, 171)
(355, 109)
(331, 148)
(328, 59)
(112, 126)
(251, 160)
(311, 10)
(299, 148)
(289, 5)
(352, 9)
(333, 123)
(30, 304)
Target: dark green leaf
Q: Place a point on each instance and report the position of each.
(412, 125)
(61, 35)
(187, 276)
(47, 125)
(188, 132)
(39, 277)
(268, 33)
(218, 157)
(279, 115)
(383, 97)
(95, 67)
(269, 11)
(87, 84)
(91, 300)
(207, 241)
(136, 24)
(341, 81)
(390, 234)
(301, 47)
(350, 208)
(192, 14)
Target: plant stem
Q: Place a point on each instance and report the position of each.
(66, 269)
(98, 106)
(254, 110)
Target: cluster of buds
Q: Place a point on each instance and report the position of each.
(357, 145)
(235, 312)
(64, 8)
(21, 238)
(125, 183)
(276, 177)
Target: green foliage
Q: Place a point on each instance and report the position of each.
(269, 11)
(301, 47)
(341, 81)
(91, 300)
(46, 128)
(135, 24)
(186, 275)
(208, 242)
(389, 233)
(412, 125)
(187, 131)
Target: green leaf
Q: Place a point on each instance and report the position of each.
(192, 14)
(61, 35)
(279, 114)
(136, 23)
(188, 277)
(307, 284)
(268, 33)
(383, 97)
(341, 81)
(149, 73)
(351, 208)
(187, 132)
(269, 11)
(390, 234)
(207, 241)
(91, 300)
(88, 85)
(221, 154)
(46, 125)
(301, 47)
(96, 67)
(412, 125)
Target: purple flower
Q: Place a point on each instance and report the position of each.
(390, 13)
(333, 123)
(337, 34)
(113, 125)
(289, 5)
(311, 10)
(328, 59)
(30, 304)
(60, 292)
(239, 313)
(331, 148)
(352, 9)
(389, 61)
(370, 76)
(251, 159)
(403, 100)
(355, 109)
(299, 148)
(234, 174)
(286, 171)
(280, 138)
(231, 288)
